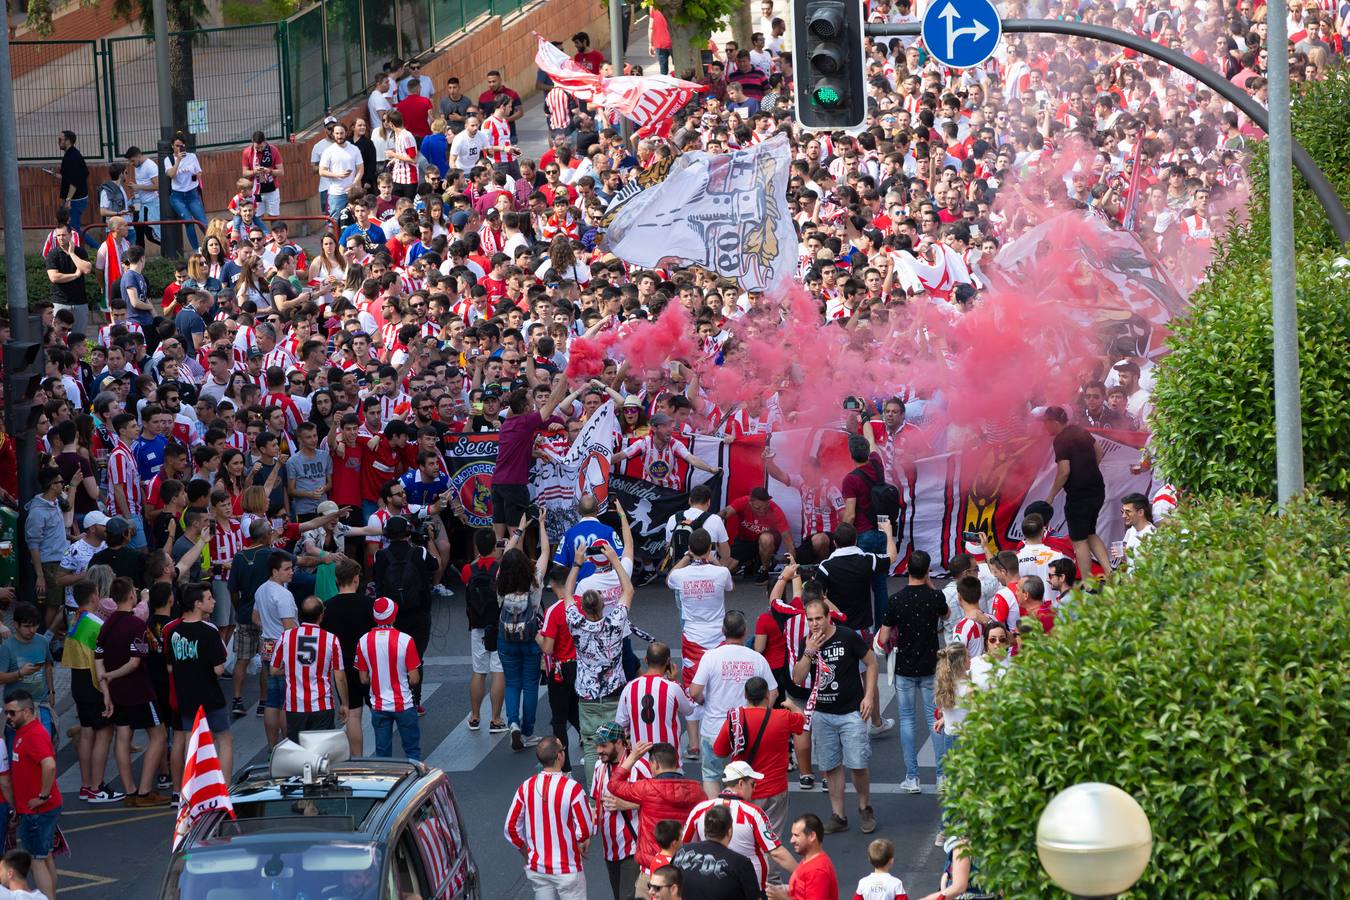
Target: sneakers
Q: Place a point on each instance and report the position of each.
(806, 782)
(421, 710)
(532, 740)
(691, 753)
(101, 794)
(142, 801)
(879, 730)
(475, 724)
(940, 840)
(259, 711)
(910, 785)
(237, 708)
(164, 783)
(763, 578)
(497, 728)
(517, 741)
(836, 824)
(869, 820)
(441, 590)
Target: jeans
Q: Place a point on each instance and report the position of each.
(875, 542)
(336, 204)
(137, 540)
(409, 733)
(564, 707)
(77, 208)
(663, 60)
(592, 714)
(912, 728)
(188, 205)
(520, 666)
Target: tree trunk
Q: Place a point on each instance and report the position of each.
(742, 26)
(180, 72)
(686, 47)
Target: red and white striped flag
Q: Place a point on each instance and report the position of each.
(204, 785)
(112, 269)
(565, 71)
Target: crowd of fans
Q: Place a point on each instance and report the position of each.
(234, 471)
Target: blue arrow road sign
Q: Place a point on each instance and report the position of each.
(961, 34)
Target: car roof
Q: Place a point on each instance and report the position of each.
(370, 778)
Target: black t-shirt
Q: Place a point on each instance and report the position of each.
(248, 570)
(847, 577)
(283, 287)
(194, 649)
(349, 617)
(121, 638)
(1080, 449)
(714, 872)
(277, 498)
(840, 690)
(67, 293)
(125, 563)
(913, 616)
(75, 467)
(74, 171)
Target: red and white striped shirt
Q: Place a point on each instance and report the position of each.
(666, 466)
(388, 655)
(822, 505)
(558, 103)
(279, 356)
(499, 135)
(1005, 608)
(751, 834)
(550, 819)
(971, 633)
(105, 333)
(741, 424)
(226, 540)
(122, 470)
(402, 171)
(293, 415)
(307, 656)
(650, 708)
(618, 829)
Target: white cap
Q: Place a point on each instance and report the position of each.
(94, 518)
(739, 770)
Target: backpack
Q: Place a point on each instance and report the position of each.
(679, 539)
(885, 497)
(518, 622)
(405, 579)
(480, 596)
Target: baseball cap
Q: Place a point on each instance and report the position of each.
(384, 611)
(255, 353)
(94, 518)
(329, 121)
(118, 526)
(609, 732)
(398, 528)
(739, 770)
(327, 508)
(459, 219)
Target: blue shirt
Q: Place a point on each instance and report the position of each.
(578, 538)
(436, 149)
(373, 234)
(149, 455)
(420, 492)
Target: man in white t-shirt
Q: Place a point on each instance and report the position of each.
(700, 514)
(342, 166)
(1035, 556)
(316, 155)
(1137, 514)
(719, 685)
(147, 188)
(468, 147)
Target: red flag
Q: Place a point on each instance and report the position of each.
(204, 786)
(112, 268)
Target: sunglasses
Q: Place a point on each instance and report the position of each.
(997, 641)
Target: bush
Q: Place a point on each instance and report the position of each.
(158, 274)
(1214, 419)
(1211, 685)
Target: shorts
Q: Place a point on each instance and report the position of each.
(783, 677)
(88, 699)
(137, 716)
(1081, 509)
(796, 691)
(268, 204)
(484, 660)
(297, 722)
(55, 598)
(223, 615)
(508, 503)
(839, 738)
(247, 643)
(747, 552)
(712, 766)
(276, 692)
(37, 832)
(690, 654)
(218, 720)
(358, 694)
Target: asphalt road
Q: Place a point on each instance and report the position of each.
(123, 853)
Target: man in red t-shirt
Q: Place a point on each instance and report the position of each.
(37, 799)
(814, 878)
(387, 456)
(757, 527)
(759, 735)
(416, 110)
(588, 59)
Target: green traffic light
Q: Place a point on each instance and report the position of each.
(827, 96)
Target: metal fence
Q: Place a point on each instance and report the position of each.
(280, 78)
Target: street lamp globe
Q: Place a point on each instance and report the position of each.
(1094, 840)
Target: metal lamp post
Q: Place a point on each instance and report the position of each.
(1094, 840)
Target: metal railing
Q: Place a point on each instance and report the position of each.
(279, 78)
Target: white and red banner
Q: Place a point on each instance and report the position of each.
(204, 785)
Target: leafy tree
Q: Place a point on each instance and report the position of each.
(1214, 412)
(184, 17)
(1211, 685)
(691, 21)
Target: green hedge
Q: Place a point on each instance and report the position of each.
(158, 273)
(1211, 685)
(1214, 413)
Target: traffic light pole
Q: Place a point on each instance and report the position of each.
(21, 327)
(1317, 181)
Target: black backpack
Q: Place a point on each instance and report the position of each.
(885, 497)
(480, 595)
(679, 538)
(406, 580)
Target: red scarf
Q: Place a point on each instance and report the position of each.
(112, 269)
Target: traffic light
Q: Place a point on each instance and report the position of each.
(25, 366)
(829, 56)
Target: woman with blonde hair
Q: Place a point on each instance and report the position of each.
(250, 286)
(951, 686)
